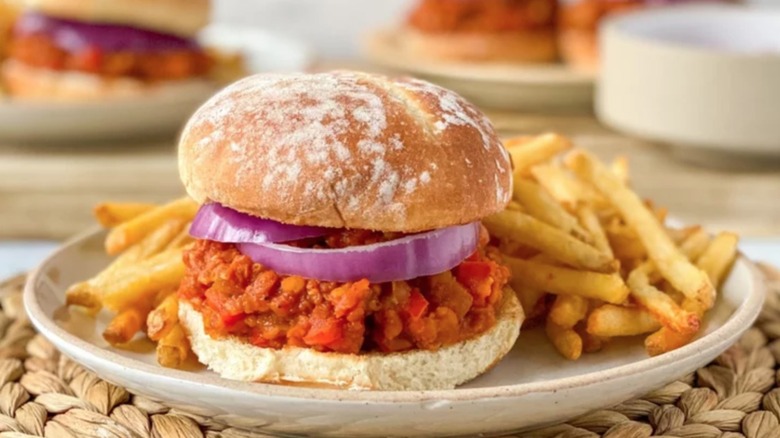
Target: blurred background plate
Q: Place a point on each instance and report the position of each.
(157, 114)
(540, 87)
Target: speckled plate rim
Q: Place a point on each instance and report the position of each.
(381, 47)
(742, 318)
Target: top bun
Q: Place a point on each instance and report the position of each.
(178, 17)
(345, 150)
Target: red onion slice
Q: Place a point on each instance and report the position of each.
(222, 224)
(413, 256)
(75, 36)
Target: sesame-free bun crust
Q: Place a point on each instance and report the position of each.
(528, 46)
(416, 370)
(179, 17)
(24, 82)
(345, 150)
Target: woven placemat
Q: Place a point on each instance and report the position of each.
(43, 393)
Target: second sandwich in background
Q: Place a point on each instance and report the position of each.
(92, 49)
(516, 31)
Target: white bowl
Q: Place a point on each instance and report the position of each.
(531, 387)
(703, 77)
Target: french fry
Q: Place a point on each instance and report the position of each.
(541, 205)
(140, 282)
(565, 340)
(173, 348)
(670, 262)
(126, 234)
(716, 259)
(548, 239)
(111, 214)
(590, 343)
(83, 295)
(614, 321)
(568, 310)
(163, 318)
(695, 244)
(564, 187)
(567, 281)
(592, 225)
(620, 168)
(624, 242)
(527, 152)
(665, 340)
(126, 324)
(182, 239)
(89, 293)
(661, 306)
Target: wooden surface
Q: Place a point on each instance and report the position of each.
(48, 192)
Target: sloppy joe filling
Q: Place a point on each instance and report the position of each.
(41, 51)
(238, 297)
(482, 15)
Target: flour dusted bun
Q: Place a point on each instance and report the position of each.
(345, 149)
(180, 17)
(528, 46)
(416, 370)
(24, 82)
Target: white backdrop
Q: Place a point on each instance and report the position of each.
(331, 27)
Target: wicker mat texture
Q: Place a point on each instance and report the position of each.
(42, 393)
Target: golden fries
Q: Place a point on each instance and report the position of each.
(125, 234)
(593, 227)
(565, 340)
(541, 205)
(610, 320)
(143, 280)
(149, 241)
(579, 232)
(527, 152)
(163, 318)
(568, 310)
(718, 257)
(661, 306)
(550, 240)
(567, 281)
(124, 326)
(111, 214)
(83, 295)
(173, 348)
(672, 264)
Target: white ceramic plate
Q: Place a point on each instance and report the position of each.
(540, 87)
(152, 115)
(532, 386)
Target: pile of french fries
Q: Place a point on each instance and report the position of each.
(592, 261)
(140, 285)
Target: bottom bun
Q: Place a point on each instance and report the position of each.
(416, 370)
(579, 48)
(25, 82)
(523, 47)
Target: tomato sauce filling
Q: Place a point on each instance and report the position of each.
(42, 52)
(482, 15)
(238, 297)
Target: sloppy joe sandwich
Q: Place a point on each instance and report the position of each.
(483, 30)
(94, 49)
(339, 239)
